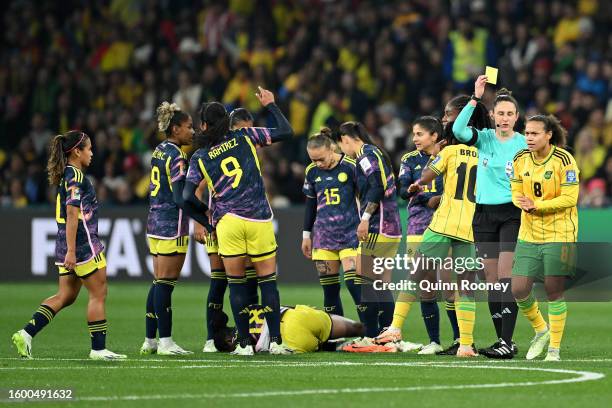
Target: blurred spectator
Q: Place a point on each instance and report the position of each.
(104, 67)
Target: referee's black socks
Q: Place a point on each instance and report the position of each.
(509, 311)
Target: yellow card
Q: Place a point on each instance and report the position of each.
(491, 74)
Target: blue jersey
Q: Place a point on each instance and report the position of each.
(385, 220)
(232, 172)
(337, 215)
(166, 220)
(76, 190)
(419, 214)
(495, 158)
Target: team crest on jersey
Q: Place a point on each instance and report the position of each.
(318, 179)
(547, 175)
(342, 177)
(485, 161)
(570, 176)
(418, 167)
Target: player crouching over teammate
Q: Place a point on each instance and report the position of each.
(78, 250)
(304, 329)
(545, 187)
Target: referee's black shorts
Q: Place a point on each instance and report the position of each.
(496, 228)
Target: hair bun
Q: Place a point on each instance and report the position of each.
(503, 92)
(165, 111)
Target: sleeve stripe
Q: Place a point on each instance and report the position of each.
(432, 168)
(516, 180)
(562, 156)
(520, 153)
(570, 184)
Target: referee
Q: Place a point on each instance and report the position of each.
(496, 220)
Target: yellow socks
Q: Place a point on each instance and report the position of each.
(557, 314)
(402, 308)
(530, 309)
(466, 315)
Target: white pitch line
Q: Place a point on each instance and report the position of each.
(581, 377)
(247, 360)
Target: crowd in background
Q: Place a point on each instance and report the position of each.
(104, 67)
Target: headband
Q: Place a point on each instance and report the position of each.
(77, 143)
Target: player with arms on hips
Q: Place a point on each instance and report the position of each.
(167, 226)
(79, 253)
(379, 230)
(227, 160)
(545, 187)
(330, 188)
(239, 118)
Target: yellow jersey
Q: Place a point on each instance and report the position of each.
(453, 217)
(552, 184)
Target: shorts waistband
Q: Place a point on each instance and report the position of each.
(496, 207)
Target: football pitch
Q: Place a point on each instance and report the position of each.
(583, 378)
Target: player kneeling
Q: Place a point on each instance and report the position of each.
(78, 251)
(304, 330)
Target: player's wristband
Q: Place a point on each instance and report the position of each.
(305, 234)
(475, 98)
(366, 217)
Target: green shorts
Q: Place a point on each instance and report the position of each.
(547, 259)
(436, 245)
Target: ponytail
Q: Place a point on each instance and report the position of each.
(217, 122)
(59, 150)
(168, 116)
(552, 124)
(356, 130)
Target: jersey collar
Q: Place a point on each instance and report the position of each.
(550, 154)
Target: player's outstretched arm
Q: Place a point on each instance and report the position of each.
(193, 207)
(283, 130)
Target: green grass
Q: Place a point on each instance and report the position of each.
(317, 379)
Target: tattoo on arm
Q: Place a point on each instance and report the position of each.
(371, 208)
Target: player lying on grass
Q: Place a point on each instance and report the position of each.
(304, 329)
(450, 228)
(331, 217)
(227, 160)
(79, 253)
(239, 118)
(545, 186)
